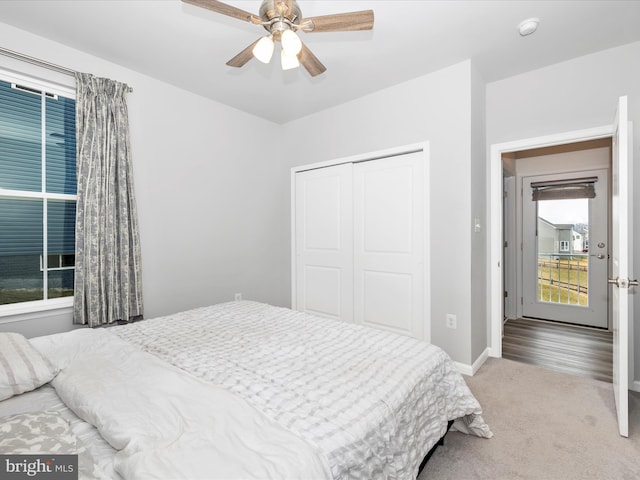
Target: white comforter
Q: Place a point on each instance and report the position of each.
(370, 401)
(167, 424)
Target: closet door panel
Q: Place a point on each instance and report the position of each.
(385, 207)
(389, 244)
(324, 242)
(387, 300)
(323, 290)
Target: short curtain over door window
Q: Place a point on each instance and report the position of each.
(108, 273)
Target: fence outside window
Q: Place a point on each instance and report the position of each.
(563, 278)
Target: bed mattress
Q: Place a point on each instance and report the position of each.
(370, 401)
(245, 390)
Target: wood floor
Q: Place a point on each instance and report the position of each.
(563, 348)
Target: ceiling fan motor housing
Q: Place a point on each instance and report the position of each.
(278, 17)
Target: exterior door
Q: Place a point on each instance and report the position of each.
(621, 260)
(324, 242)
(389, 244)
(565, 247)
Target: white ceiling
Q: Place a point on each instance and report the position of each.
(188, 46)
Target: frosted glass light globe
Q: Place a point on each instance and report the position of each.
(288, 61)
(291, 43)
(263, 50)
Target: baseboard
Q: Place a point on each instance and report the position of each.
(635, 386)
(493, 353)
(480, 361)
(470, 370)
(464, 369)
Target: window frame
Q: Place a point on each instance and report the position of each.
(23, 310)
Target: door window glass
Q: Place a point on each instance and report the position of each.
(563, 251)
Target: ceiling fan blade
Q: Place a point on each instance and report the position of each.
(243, 57)
(310, 61)
(340, 22)
(224, 9)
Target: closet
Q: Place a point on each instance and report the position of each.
(360, 241)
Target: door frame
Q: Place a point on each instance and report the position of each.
(495, 312)
(421, 147)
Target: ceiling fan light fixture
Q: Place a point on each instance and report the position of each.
(282, 19)
(288, 62)
(291, 43)
(263, 50)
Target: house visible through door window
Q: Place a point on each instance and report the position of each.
(37, 193)
(563, 274)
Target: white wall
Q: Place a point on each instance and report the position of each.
(207, 192)
(479, 285)
(207, 209)
(434, 108)
(574, 95)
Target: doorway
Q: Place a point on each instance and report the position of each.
(621, 280)
(556, 258)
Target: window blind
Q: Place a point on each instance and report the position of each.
(564, 189)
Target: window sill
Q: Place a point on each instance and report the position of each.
(31, 310)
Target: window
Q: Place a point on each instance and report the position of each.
(564, 245)
(37, 191)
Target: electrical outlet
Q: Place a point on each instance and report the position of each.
(451, 320)
(238, 297)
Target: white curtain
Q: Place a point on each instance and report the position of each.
(108, 273)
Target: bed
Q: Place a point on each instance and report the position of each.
(249, 390)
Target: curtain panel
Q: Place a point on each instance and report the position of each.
(108, 272)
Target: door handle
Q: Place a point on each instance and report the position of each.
(614, 281)
(600, 256)
(621, 283)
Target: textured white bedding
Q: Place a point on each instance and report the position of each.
(370, 402)
(166, 424)
(244, 390)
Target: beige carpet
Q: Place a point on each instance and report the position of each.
(546, 425)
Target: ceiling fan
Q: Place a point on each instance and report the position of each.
(282, 19)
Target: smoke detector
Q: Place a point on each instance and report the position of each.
(528, 26)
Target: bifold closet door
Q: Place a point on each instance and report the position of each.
(324, 241)
(388, 256)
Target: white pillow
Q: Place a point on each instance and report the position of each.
(22, 367)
